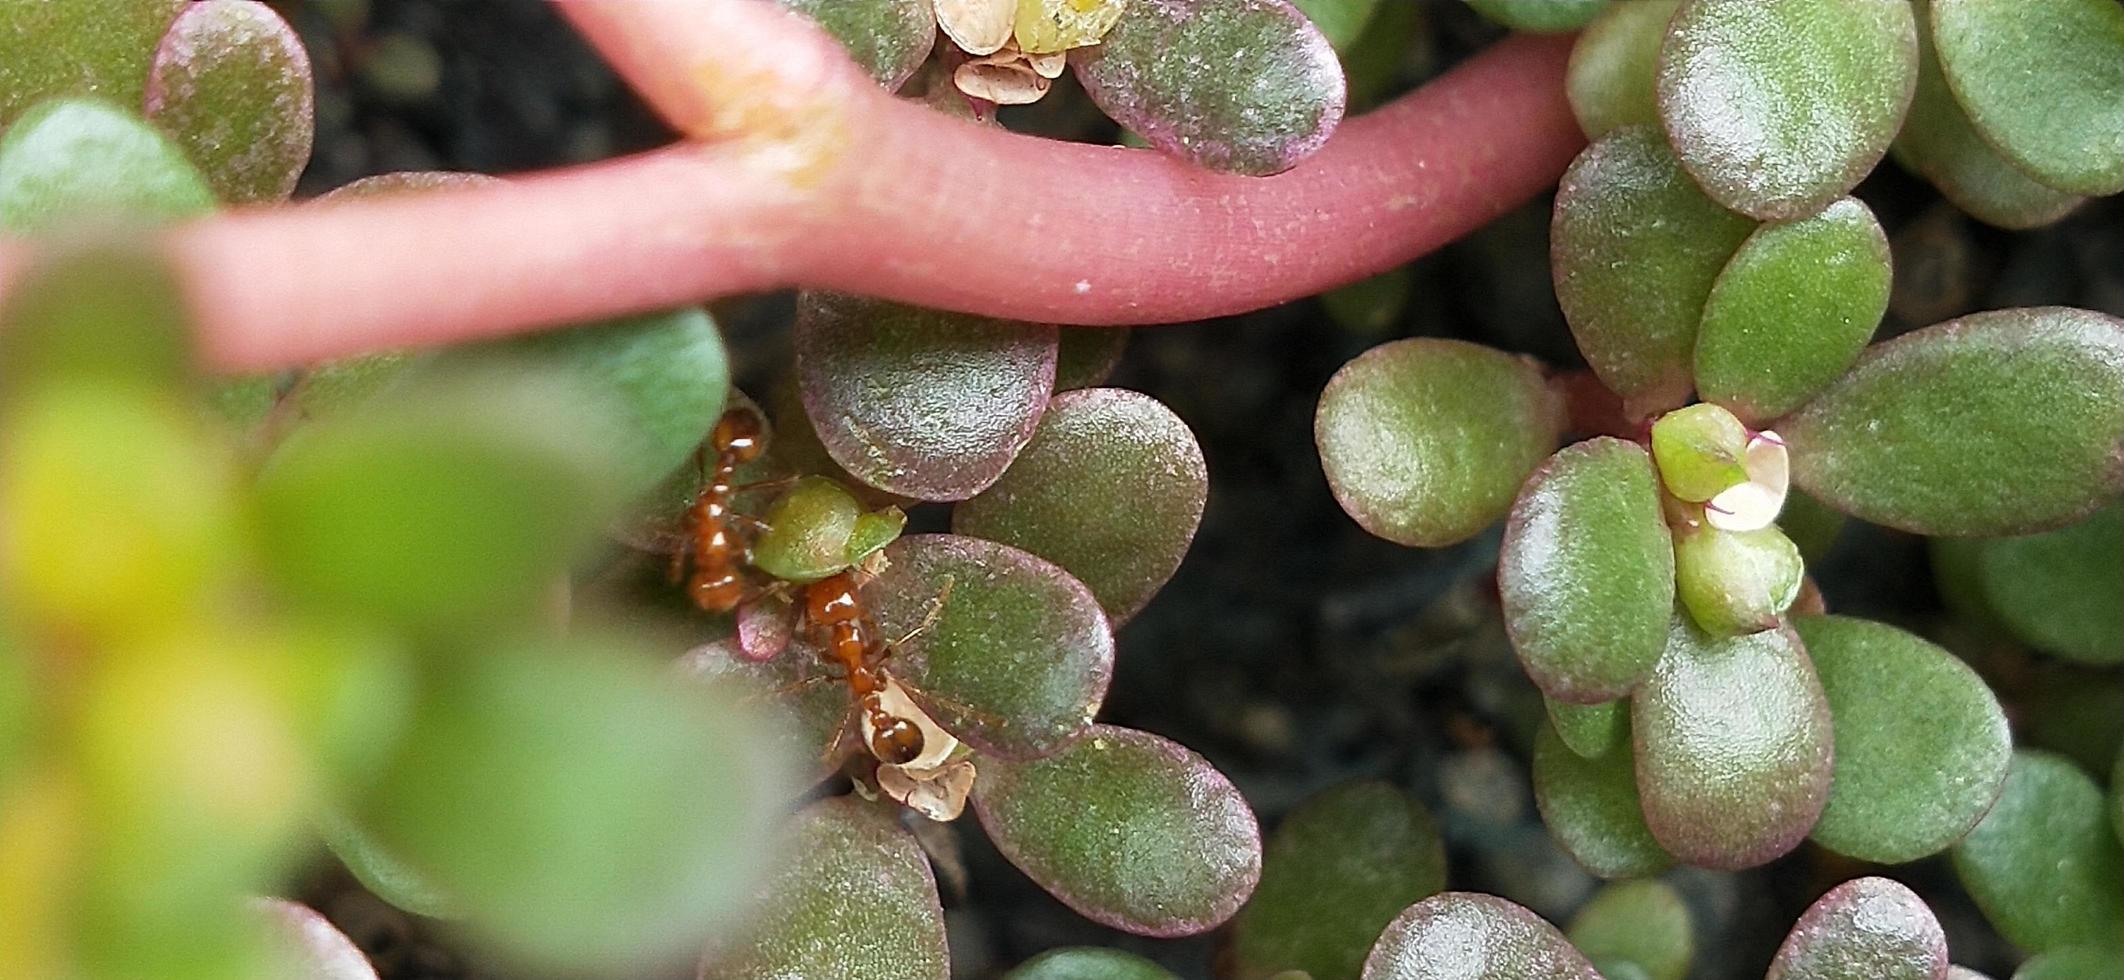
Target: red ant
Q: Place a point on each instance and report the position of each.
(850, 639)
(719, 556)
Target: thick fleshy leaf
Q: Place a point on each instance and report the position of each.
(1615, 64)
(1425, 441)
(1086, 356)
(231, 84)
(2001, 422)
(1591, 807)
(1779, 108)
(1914, 771)
(2043, 864)
(306, 946)
(386, 875)
(1733, 747)
(854, 900)
(916, 402)
(1129, 829)
(2058, 590)
(1635, 247)
(1343, 21)
(1939, 143)
(78, 159)
(2043, 81)
(1111, 488)
(1586, 573)
(1589, 729)
(1336, 872)
(889, 38)
(1866, 927)
(79, 47)
(1644, 923)
(1792, 310)
(1282, 96)
(1089, 963)
(1463, 934)
(2073, 963)
(1015, 654)
(1540, 16)
(406, 182)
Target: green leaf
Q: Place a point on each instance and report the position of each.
(231, 85)
(2116, 795)
(1132, 831)
(1591, 807)
(1913, 771)
(1015, 656)
(1635, 248)
(916, 402)
(1089, 963)
(889, 38)
(1733, 747)
(2001, 422)
(1589, 729)
(814, 706)
(854, 900)
(1779, 108)
(2042, 865)
(1425, 441)
(1341, 866)
(1540, 16)
(1811, 524)
(386, 875)
(80, 160)
(1463, 934)
(1699, 451)
(2073, 963)
(1645, 923)
(1586, 573)
(1614, 66)
(104, 311)
(2043, 81)
(2058, 591)
(1283, 97)
(1370, 307)
(1792, 310)
(1100, 454)
(1342, 21)
(1865, 927)
(307, 945)
(1086, 356)
(79, 47)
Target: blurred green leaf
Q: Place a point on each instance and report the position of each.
(1085, 356)
(1278, 107)
(78, 47)
(1089, 963)
(1340, 867)
(1591, 807)
(77, 160)
(1589, 729)
(1463, 934)
(1586, 573)
(1778, 109)
(1644, 923)
(382, 872)
(796, 684)
(1425, 440)
(306, 945)
(2116, 795)
(1371, 307)
(349, 382)
(2042, 865)
(2073, 963)
(2043, 81)
(19, 707)
(808, 529)
(889, 38)
(2058, 591)
(1866, 927)
(1541, 16)
(2000, 422)
(231, 85)
(1614, 66)
(108, 311)
(1342, 21)
(1129, 829)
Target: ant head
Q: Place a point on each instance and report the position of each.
(897, 742)
(740, 433)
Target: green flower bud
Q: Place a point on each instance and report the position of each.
(808, 531)
(1700, 451)
(1735, 582)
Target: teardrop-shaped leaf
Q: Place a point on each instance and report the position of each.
(1635, 247)
(797, 685)
(231, 84)
(1540, 16)
(386, 875)
(2058, 590)
(854, 900)
(889, 38)
(1591, 807)
(1129, 829)
(1614, 66)
(78, 159)
(1733, 747)
(1425, 440)
(1779, 108)
(1644, 923)
(2043, 81)
(1586, 572)
(1792, 310)
(303, 944)
(1914, 771)
(1341, 866)
(2001, 422)
(1281, 96)
(1939, 143)
(1589, 729)
(1089, 963)
(1463, 934)
(1086, 356)
(80, 47)
(1111, 488)
(2073, 963)
(1342, 21)
(917, 402)
(2043, 864)
(1008, 651)
(1866, 927)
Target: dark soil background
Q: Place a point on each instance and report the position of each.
(1292, 649)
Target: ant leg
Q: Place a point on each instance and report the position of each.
(776, 483)
(679, 554)
(758, 526)
(929, 618)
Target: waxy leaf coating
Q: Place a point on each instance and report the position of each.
(1590, 805)
(1275, 99)
(2002, 422)
(1463, 934)
(1615, 64)
(1586, 573)
(2058, 590)
(231, 84)
(916, 402)
(2043, 81)
(1733, 747)
(1779, 108)
(1425, 441)
(1644, 923)
(889, 38)
(1131, 830)
(1089, 963)
(78, 47)
(1111, 488)
(1866, 927)
(78, 159)
(1914, 771)
(2043, 864)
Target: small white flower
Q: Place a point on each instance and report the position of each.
(1755, 504)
